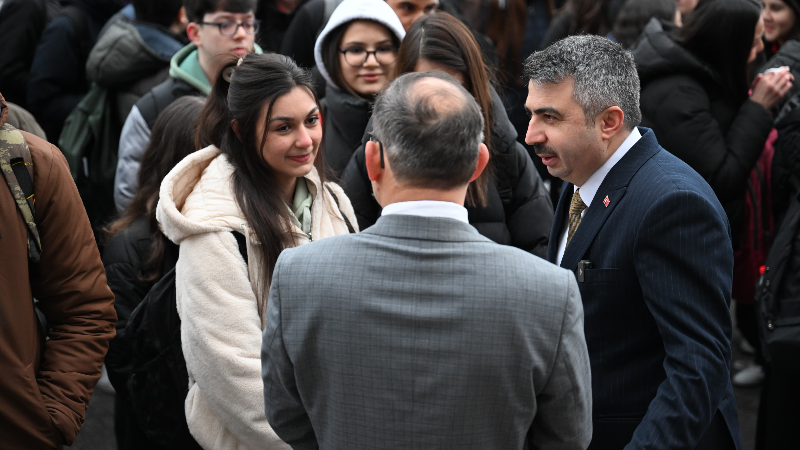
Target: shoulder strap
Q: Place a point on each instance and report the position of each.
(346, 220)
(17, 167)
(242, 241)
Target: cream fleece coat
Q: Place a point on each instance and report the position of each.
(220, 324)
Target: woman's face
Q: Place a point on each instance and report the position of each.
(293, 135)
(367, 73)
(758, 44)
(426, 65)
(778, 21)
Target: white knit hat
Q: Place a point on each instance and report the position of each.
(348, 10)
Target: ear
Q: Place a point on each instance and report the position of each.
(483, 160)
(235, 126)
(193, 33)
(373, 160)
(610, 122)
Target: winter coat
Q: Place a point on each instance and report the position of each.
(518, 213)
(22, 22)
(788, 55)
(58, 80)
(131, 58)
(697, 120)
(219, 311)
(274, 24)
(46, 385)
(345, 118)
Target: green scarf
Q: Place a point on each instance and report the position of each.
(302, 206)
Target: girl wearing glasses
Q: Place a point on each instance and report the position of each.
(355, 53)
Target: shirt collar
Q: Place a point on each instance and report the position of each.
(592, 184)
(428, 208)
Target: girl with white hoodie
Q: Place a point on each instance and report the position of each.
(263, 178)
(355, 54)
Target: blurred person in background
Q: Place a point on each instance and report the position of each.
(58, 81)
(782, 40)
(582, 17)
(356, 55)
(275, 17)
(634, 16)
(137, 253)
(508, 203)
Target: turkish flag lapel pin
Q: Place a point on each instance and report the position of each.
(606, 201)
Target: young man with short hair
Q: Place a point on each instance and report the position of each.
(219, 30)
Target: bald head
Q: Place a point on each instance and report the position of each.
(431, 129)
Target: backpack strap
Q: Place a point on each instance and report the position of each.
(242, 241)
(17, 167)
(346, 220)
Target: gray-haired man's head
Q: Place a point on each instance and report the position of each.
(583, 96)
(430, 128)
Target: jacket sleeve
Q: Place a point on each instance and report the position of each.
(132, 144)
(358, 188)
(73, 294)
(684, 261)
(221, 338)
(283, 405)
(564, 406)
(689, 131)
(55, 72)
(530, 215)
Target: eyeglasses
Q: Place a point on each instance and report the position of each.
(358, 56)
(380, 146)
(229, 27)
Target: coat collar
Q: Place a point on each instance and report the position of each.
(614, 186)
(425, 229)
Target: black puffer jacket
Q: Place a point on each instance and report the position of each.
(518, 213)
(345, 117)
(123, 258)
(697, 120)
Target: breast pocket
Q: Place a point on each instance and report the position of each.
(600, 276)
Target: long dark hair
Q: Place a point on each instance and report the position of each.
(330, 55)
(635, 14)
(258, 81)
(443, 39)
(172, 139)
(720, 33)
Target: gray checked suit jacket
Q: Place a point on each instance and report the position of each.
(419, 333)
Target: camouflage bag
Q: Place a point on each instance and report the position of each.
(15, 162)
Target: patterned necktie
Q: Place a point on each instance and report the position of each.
(576, 207)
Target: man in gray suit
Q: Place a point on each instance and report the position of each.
(419, 333)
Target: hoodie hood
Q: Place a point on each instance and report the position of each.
(657, 55)
(129, 51)
(349, 10)
(179, 68)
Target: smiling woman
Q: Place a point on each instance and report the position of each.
(262, 179)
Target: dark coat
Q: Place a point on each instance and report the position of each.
(788, 55)
(718, 135)
(274, 24)
(22, 23)
(656, 303)
(518, 212)
(345, 118)
(123, 257)
(57, 80)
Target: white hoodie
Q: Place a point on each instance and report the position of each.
(349, 10)
(220, 325)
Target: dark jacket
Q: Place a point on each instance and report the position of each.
(518, 212)
(788, 55)
(697, 120)
(46, 385)
(656, 303)
(274, 24)
(22, 22)
(124, 256)
(345, 118)
(58, 73)
(131, 58)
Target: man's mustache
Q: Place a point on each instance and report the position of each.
(542, 151)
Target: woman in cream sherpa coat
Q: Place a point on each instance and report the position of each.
(261, 179)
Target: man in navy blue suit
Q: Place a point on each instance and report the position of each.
(650, 246)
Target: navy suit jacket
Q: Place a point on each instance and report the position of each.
(656, 304)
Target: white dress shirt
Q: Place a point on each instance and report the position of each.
(592, 184)
(428, 208)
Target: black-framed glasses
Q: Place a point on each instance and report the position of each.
(230, 27)
(358, 56)
(380, 146)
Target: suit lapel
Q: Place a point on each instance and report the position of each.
(614, 186)
(559, 222)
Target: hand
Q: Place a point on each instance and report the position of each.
(769, 88)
